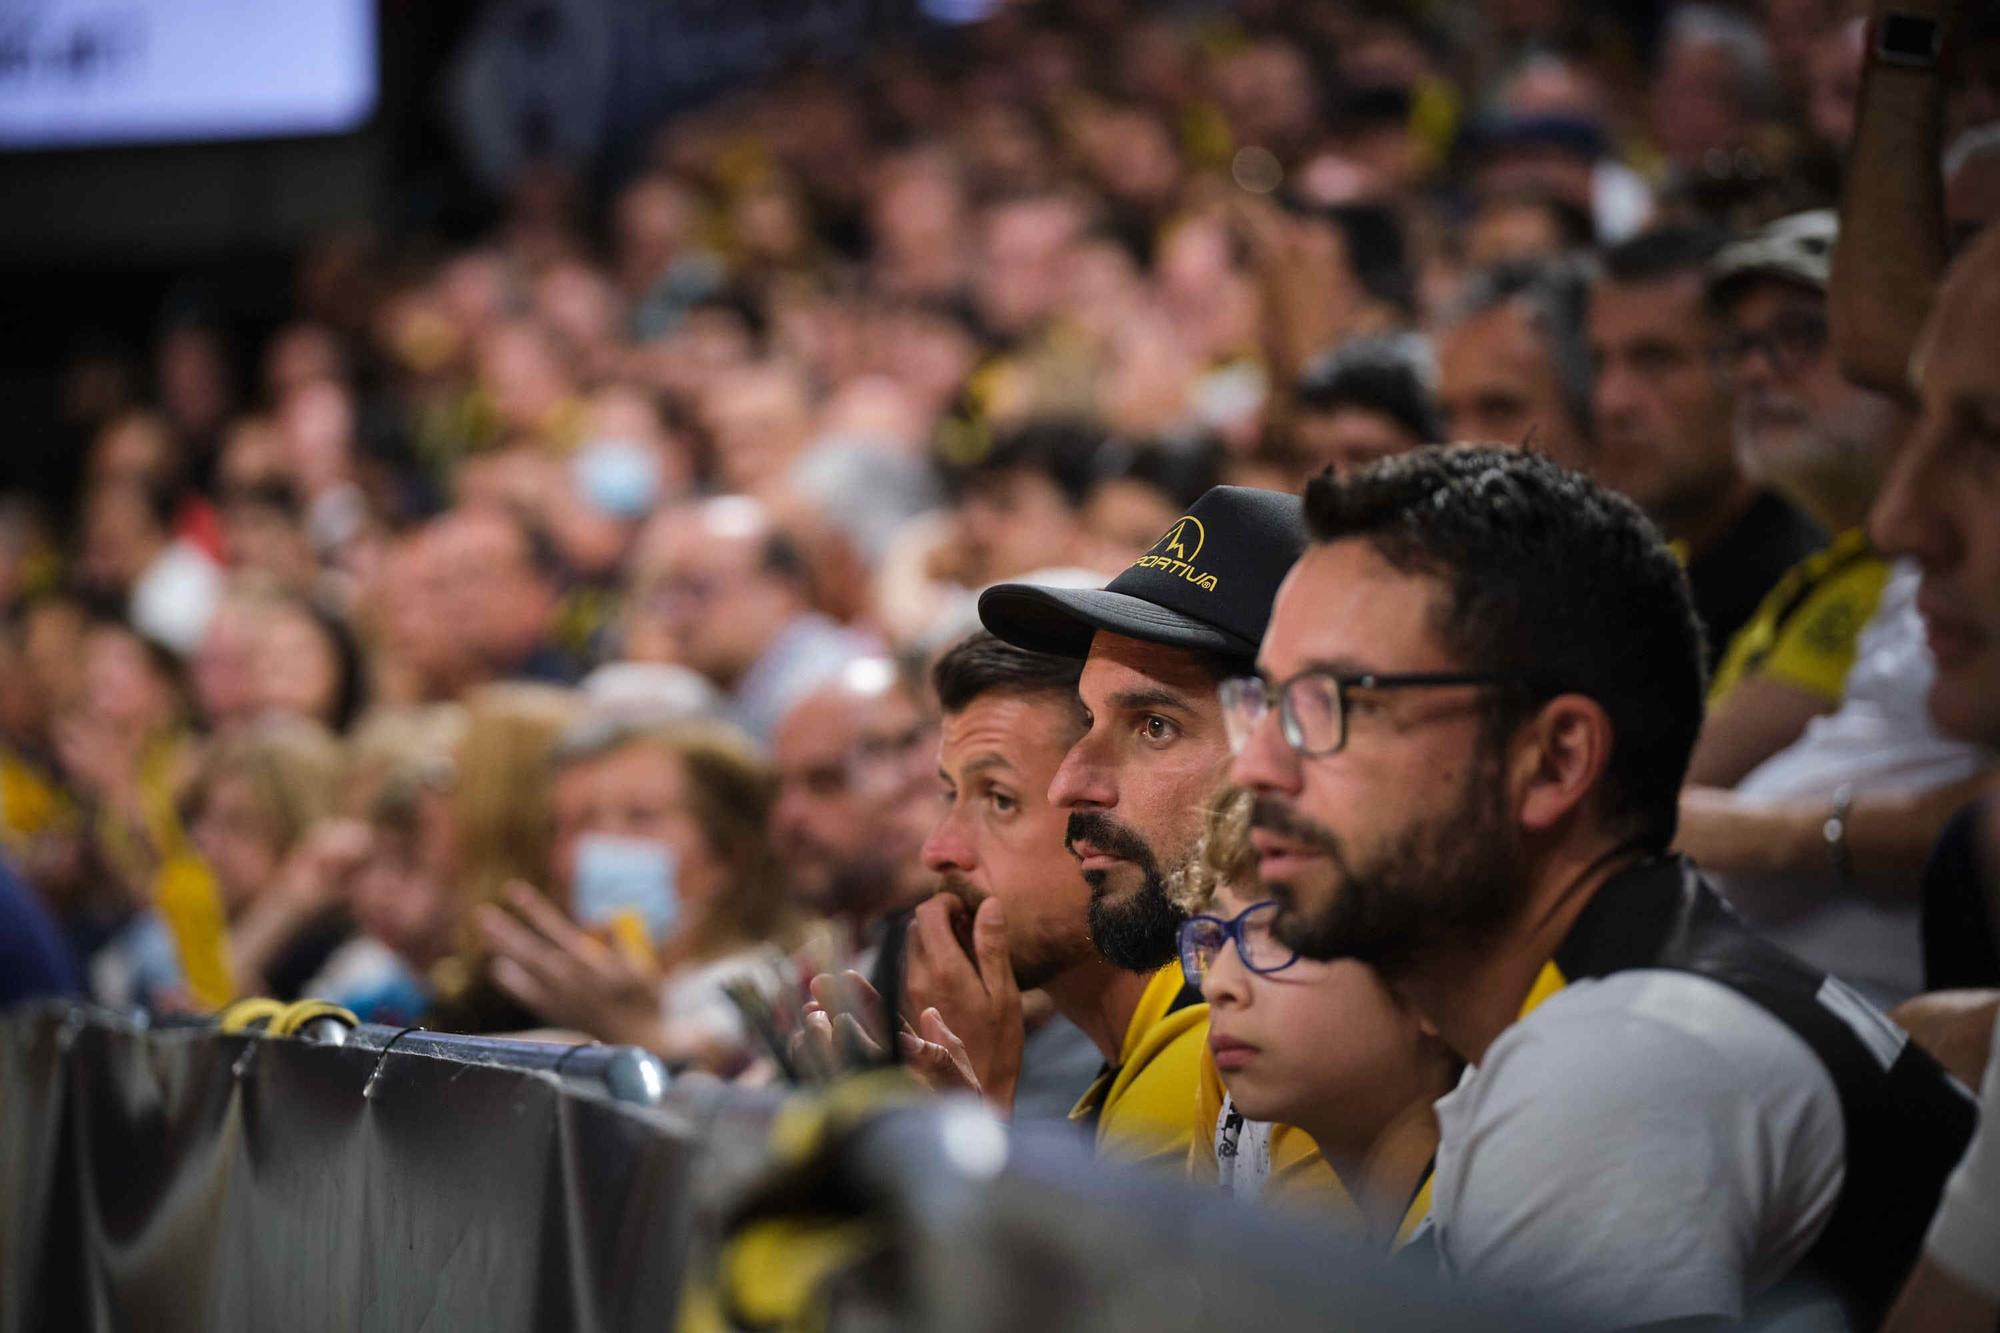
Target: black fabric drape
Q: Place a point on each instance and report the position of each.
(180, 1179)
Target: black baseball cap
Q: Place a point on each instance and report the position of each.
(1207, 583)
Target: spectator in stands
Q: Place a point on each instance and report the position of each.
(1137, 491)
(249, 905)
(1367, 399)
(1025, 246)
(307, 665)
(1468, 732)
(759, 418)
(35, 961)
(676, 897)
(1811, 436)
(719, 587)
(1662, 416)
(130, 558)
(223, 684)
(496, 593)
(1513, 367)
(1822, 844)
(264, 535)
(1711, 83)
(849, 761)
(502, 833)
(1937, 509)
(123, 748)
(1018, 502)
(402, 885)
(1009, 718)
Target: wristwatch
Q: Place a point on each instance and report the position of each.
(1912, 41)
(1834, 832)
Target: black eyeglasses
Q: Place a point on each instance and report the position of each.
(1312, 706)
(1795, 340)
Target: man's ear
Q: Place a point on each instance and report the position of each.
(1557, 759)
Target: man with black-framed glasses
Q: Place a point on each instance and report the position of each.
(1487, 679)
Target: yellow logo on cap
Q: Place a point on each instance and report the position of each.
(1175, 553)
(1177, 536)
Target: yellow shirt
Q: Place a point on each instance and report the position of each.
(1805, 630)
(1140, 1105)
(32, 802)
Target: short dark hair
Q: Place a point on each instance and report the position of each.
(1575, 228)
(782, 555)
(1553, 580)
(1061, 448)
(1556, 294)
(1391, 375)
(981, 664)
(1181, 469)
(1662, 252)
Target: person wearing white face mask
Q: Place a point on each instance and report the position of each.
(674, 896)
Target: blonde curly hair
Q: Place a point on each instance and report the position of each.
(1222, 855)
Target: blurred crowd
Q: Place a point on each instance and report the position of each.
(541, 632)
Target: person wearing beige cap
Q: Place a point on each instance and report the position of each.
(1804, 431)
(1819, 842)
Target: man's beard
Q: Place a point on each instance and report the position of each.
(1441, 884)
(1142, 933)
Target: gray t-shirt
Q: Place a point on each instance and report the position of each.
(1643, 1147)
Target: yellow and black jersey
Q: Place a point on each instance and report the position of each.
(1806, 630)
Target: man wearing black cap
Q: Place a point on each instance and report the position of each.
(1155, 643)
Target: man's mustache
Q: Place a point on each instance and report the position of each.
(961, 888)
(1106, 835)
(1274, 815)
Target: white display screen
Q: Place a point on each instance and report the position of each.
(79, 73)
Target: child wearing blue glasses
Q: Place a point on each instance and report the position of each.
(1319, 1083)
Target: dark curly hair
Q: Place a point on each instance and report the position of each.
(1551, 580)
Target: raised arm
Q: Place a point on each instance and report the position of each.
(1892, 248)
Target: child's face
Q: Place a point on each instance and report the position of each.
(1294, 1043)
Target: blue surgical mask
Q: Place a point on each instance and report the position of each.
(636, 875)
(618, 476)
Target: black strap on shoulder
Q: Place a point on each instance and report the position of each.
(1907, 1121)
(1189, 997)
